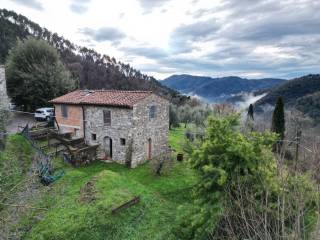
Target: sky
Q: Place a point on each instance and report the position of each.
(246, 38)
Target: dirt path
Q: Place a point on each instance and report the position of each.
(20, 119)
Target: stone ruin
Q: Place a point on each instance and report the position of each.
(4, 99)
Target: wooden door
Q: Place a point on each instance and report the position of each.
(149, 148)
(108, 147)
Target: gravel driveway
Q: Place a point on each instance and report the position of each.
(19, 119)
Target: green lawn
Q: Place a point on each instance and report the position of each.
(14, 163)
(153, 218)
(176, 138)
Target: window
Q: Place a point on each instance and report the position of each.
(122, 141)
(107, 117)
(152, 112)
(64, 111)
(94, 136)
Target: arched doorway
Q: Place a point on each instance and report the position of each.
(107, 141)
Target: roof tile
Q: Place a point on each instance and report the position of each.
(102, 97)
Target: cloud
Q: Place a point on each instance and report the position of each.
(272, 38)
(183, 36)
(35, 4)
(271, 29)
(103, 34)
(79, 6)
(145, 51)
(271, 20)
(197, 30)
(150, 5)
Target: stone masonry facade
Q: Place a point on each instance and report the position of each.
(129, 125)
(155, 129)
(120, 127)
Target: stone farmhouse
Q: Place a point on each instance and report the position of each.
(123, 123)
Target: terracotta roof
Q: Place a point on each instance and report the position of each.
(116, 98)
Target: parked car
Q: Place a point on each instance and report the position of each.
(13, 107)
(42, 114)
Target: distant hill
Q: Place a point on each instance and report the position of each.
(310, 105)
(218, 89)
(292, 90)
(93, 70)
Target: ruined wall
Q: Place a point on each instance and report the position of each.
(73, 122)
(4, 106)
(121, 125)
(4, 103)
(144, 128)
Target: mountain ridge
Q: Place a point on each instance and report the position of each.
(293, 92)
(218, 88)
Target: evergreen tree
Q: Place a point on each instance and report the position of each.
(278, 119)
(35, 74)
(173, 116)
(250, 112)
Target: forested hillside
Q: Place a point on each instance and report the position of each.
(218, 88)
(310, 105)
(292, 90)
(93, 70)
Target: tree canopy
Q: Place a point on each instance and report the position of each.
(224, 159)
(240, 184)
(35, 74)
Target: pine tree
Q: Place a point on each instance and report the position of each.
(278, 120)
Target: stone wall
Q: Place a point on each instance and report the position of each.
(132, 125)
(144, 128)
(121, 126)
(4, 100)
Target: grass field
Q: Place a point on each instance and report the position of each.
(14, 163)
(176, 138)
(69, 217)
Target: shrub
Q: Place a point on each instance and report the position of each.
(241, 194)
(161, 163)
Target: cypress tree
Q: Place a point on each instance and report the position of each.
(250, 112)
(278, 120)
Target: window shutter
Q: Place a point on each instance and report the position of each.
(107, 117)
(152, 112)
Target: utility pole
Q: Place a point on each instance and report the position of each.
(297, 141)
